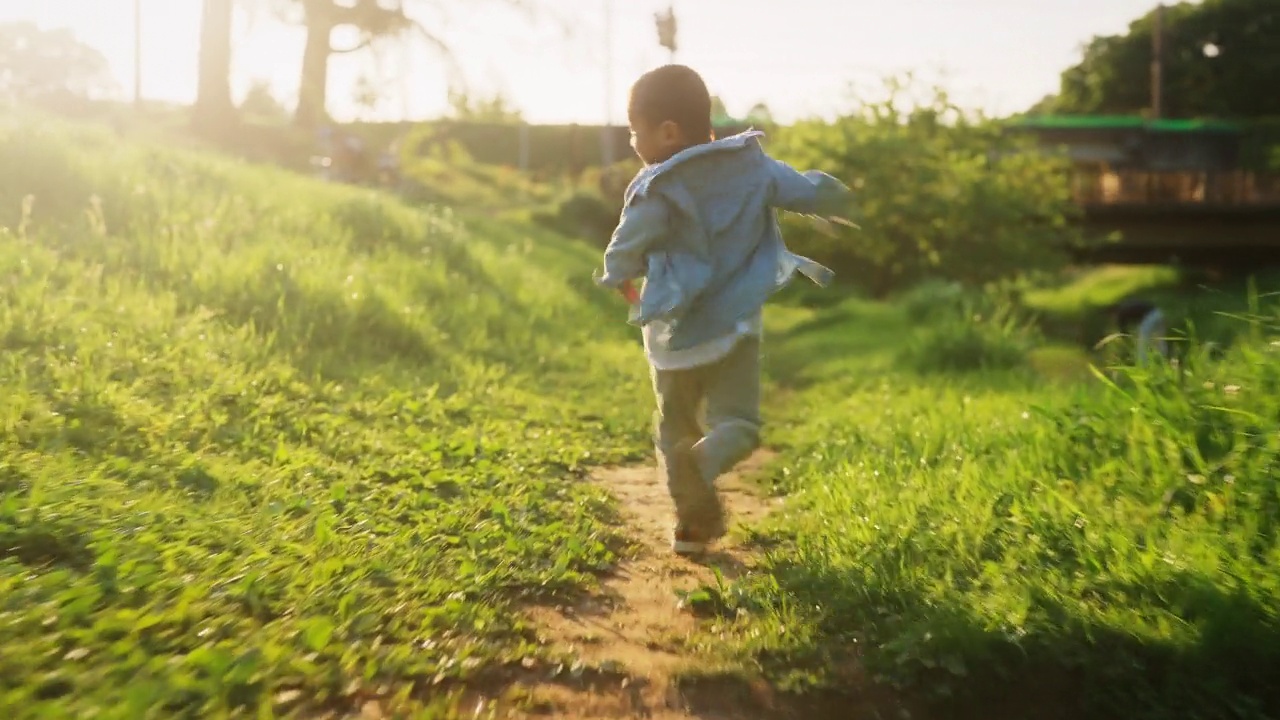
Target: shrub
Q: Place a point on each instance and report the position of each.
(930, 298)
(970, 336)
(942, 193)
(582, 214)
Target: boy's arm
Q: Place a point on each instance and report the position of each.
(809, 193)
(642, 223)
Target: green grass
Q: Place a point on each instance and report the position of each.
(1098, 287)
(991, 539)
(271, 446)
(1072, 309)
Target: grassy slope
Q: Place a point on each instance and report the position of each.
(224, 374)
(269, 443)
(1088, 551)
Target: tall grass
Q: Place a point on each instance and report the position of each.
(275, 447)
(1106, 550)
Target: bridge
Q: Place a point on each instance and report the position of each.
(1187, 234)
(1154, 191)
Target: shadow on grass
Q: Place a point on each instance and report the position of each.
(1064, 666)
(1193, 300)
(848, 341)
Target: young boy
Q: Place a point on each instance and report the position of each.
(699, 225)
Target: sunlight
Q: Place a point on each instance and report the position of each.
(169, 30)
(309, 412)
(552, 78)
(815, 50)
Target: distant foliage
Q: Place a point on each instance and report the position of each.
(261, 104)
(1220, 60)
(582, 214)
(49, 66)
(930, 299)
(959, 330)
(942, 193)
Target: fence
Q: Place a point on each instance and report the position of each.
(1228, 189)
(537, 148)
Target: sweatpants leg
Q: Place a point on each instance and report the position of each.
(689, 459)
(732, 391)
(676, 429)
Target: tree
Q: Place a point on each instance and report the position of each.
(940, 193)
(718, 111)
(494, 109)
(38, 65)
(366, 94)
(213, 94)
(373, 21)
(760, 114)
(1221, 58)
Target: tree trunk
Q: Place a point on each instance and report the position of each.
(313, 90)
(213, 98)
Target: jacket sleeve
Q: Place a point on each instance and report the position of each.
(808, 193)
(643, 223)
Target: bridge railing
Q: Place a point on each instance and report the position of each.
(1230, 189)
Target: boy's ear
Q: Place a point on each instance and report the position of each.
(670, 132)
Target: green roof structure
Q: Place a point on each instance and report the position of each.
(1123, 122)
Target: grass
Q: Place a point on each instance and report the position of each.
(1072, 309)
(989, 539)
(273, 447)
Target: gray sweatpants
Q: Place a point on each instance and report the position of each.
(717, 408)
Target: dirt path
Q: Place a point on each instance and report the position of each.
(630, 635)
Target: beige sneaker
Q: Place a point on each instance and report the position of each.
(694, 537)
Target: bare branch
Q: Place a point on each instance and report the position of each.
(366, 42)
(442, 48)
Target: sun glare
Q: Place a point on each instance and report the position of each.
(813, 51)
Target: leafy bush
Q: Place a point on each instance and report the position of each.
(930, 298)
(969, 336)
(582, 214)
(440, 170)
(942, 193)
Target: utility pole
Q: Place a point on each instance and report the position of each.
(406, 62)
(606, 137)
(137, 54)
(1157, 64)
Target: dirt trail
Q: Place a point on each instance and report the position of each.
(632, 631)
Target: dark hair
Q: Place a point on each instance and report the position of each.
(675, 93)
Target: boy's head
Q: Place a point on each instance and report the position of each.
(669, 110)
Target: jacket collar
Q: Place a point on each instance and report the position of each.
(641, 184)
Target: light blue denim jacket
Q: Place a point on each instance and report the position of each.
(701, 229)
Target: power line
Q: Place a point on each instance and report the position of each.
(137, 53)
(606, 143)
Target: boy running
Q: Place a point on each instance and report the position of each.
(699, 226)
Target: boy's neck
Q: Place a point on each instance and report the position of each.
(681, 148)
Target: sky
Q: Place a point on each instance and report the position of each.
(800, 57)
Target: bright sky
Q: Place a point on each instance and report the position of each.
(798, 56)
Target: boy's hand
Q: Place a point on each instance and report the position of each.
(629, 293)
(827, 225)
